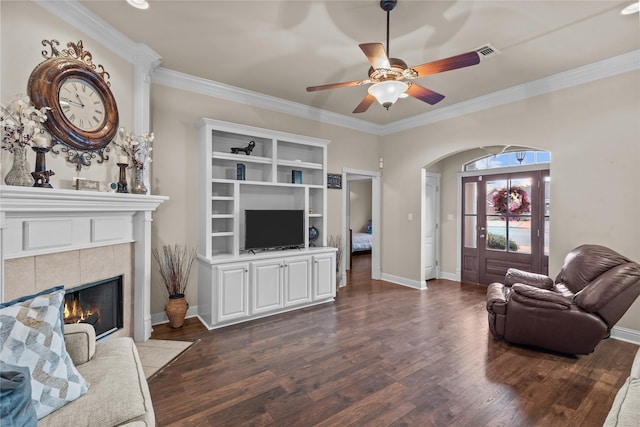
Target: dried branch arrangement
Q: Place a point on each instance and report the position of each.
(336, 242)
(175, 266)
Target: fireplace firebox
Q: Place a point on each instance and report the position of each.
(99, 304)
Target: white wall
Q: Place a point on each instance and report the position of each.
(23, 26)
(175, 163)
(593, 134)
(592, 131)
(360, 205)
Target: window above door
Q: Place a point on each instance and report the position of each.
(509, 159)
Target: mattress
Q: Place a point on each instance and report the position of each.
(361, 242)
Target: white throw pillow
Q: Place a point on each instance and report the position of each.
(31, 336)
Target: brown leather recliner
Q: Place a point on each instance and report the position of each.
(594, 288)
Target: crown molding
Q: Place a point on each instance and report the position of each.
(80, 17)
(598, 70)
(83, 19)
(588, 73)
(178, 80)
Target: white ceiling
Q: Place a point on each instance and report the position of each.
(278, 48)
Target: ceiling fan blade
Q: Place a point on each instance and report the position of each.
(452, 63)
(365, 104)
(424, 94)
(376, 54)
(336, 85)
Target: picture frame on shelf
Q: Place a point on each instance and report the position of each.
(334, 180)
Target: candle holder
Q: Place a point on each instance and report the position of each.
(122, 178)
(41, 174)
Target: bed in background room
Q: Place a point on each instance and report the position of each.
(361, 242)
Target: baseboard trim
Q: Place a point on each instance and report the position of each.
(415, 284)
(449, 276)
(625, 334)
(160, 318)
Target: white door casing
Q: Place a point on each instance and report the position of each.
(347, 174)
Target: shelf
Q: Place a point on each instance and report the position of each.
(241, 158)
(261, 183)
(297, 164)
(267, 185)
(222, 234)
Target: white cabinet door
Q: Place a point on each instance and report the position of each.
(324, 276)
(233, 292)
(297, 280)
(266, 285)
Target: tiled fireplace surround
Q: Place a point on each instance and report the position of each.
(65, 237)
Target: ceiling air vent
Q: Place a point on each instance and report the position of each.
(487, 51)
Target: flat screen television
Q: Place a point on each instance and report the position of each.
(271, 229)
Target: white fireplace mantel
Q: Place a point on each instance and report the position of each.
(39, 221)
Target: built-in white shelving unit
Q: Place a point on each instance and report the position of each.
(234, 285)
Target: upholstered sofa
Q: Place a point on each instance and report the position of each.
(625, 411)
(118, 393)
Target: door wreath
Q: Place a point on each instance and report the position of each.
(514, 201)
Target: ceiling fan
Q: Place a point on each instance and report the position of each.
(389, 75)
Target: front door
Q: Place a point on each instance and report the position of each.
(505, 224)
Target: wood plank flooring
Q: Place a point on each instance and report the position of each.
(382, 355)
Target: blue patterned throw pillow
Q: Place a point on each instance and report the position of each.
(31, 336)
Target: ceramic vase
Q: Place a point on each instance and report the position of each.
(176, 310)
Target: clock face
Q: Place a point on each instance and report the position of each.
(81, 104)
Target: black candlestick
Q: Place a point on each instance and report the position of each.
(41, 174)
(122, 178)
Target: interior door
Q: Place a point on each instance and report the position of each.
(505, 224)
(430, 225)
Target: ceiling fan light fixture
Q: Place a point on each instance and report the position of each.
(631, 9)
(139, 4)
(388, 92)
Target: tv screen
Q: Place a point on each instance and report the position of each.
(266, 229)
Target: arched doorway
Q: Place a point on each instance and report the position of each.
(451, 169)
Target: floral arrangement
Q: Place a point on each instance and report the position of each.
(137, 148)
(514, 201)
(21, 123)
(175, 267)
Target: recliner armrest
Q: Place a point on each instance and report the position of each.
(80, 341)
(514, 276)
(542, 298)
(496, 298)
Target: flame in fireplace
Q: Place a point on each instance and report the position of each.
(74, 313)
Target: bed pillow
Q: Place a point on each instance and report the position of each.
(31, 336)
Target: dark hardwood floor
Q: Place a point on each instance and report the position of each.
(382, 355)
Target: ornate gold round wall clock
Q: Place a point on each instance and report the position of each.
(83, 115)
